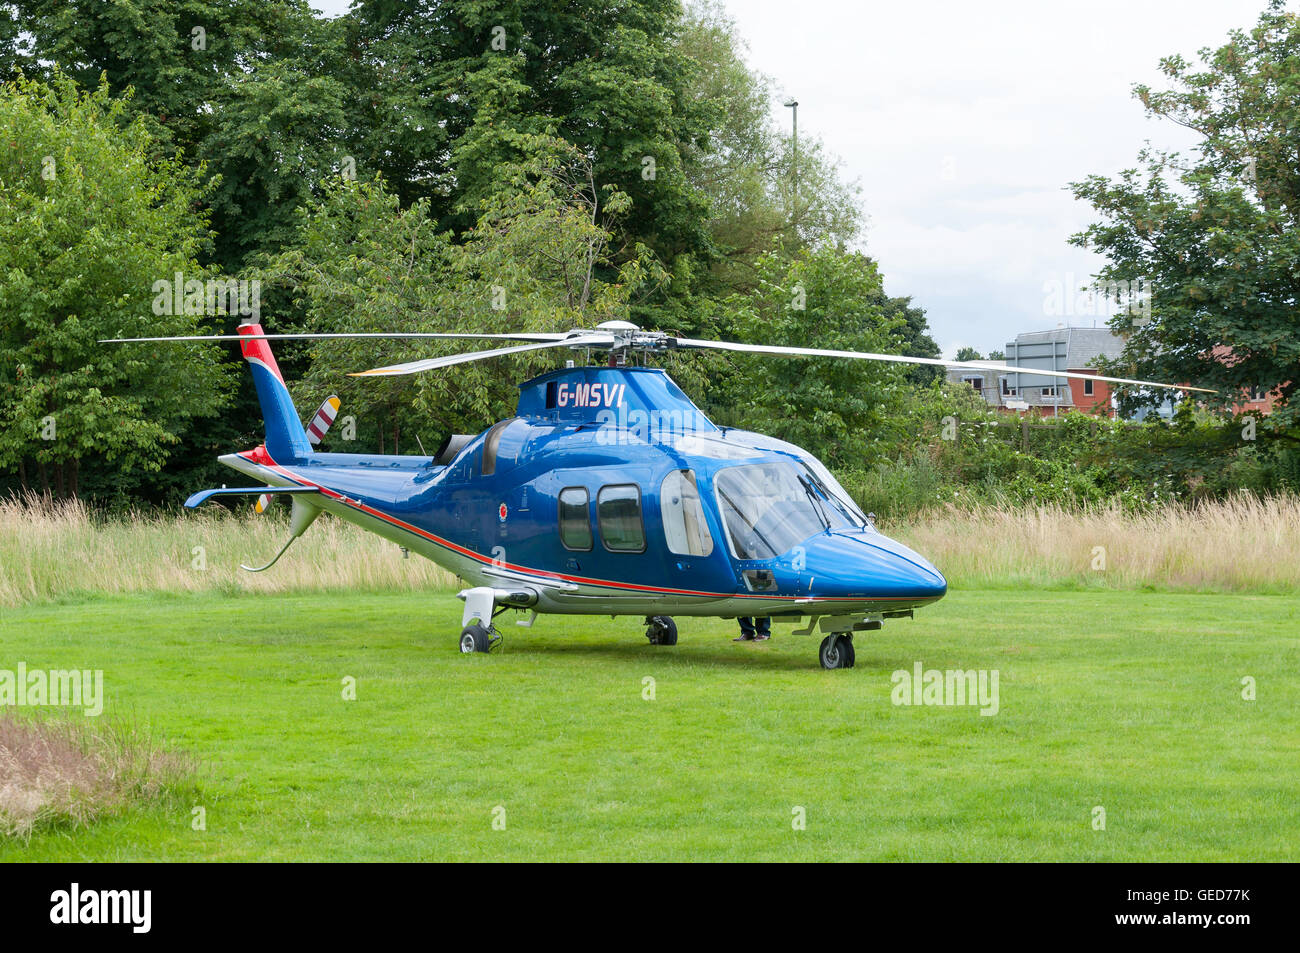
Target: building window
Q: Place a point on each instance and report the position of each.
(975, 382)
(575, 518)
(1087, 388)
(1049, 393)
(685, 528)
(618, 508)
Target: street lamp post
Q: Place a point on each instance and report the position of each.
(793, 105)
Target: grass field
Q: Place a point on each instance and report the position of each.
(1129, 701)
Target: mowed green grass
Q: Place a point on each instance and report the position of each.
(1129, 701)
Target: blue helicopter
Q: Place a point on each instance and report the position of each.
(609, 492)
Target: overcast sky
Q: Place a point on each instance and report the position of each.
(964, 121)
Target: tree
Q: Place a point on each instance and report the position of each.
(435, 98)
(913, 336)
(448, 84)
(746, 168)
(250, 88)
(836, 407)
(1205, 250)
(969, 354)
(524, 165)
(15, 46)
(537, 260)
(281, 138)
(89, 222)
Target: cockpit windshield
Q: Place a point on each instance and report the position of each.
(769, 508)
(836, 495)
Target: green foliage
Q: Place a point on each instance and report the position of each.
(537, 259)
(361, 263)
(817, 297)
(959, 451)
(249, 88)
(462, 80)
(582, 161)
(747, 168)
(279, 141)
(1217, 235)
(88, 222)
(533, 166)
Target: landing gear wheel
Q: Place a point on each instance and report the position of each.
(837, 652)
(662, 630)
(475, 638)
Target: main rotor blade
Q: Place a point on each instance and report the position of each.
(540, 336)
(428, 364)
(901, 359)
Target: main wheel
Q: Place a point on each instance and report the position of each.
(475, 638)
(846, 650)
(662, 630)
(835, 652)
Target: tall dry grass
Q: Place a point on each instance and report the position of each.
(53, 549)
(71, 773)
(1245, 543)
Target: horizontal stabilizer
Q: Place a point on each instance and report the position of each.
(198, 499)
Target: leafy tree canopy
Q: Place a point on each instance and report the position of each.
(90, 220)
(1215, 235)
(840, 407)
(538, 258)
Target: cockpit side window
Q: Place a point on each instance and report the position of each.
(685, 527)
(767, 509)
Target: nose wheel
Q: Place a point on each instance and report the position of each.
(661, 630)
(837, 651)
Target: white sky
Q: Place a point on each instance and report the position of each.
(964, 121)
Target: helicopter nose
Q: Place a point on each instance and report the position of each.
(869, 565)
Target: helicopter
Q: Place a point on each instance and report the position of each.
(609, 492)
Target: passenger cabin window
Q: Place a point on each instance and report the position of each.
(575, 518)
(683, 513)
(618, 508)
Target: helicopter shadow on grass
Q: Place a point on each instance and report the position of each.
(698, 653)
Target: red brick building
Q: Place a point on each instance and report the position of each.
(1256, 400)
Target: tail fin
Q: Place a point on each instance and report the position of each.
(285, 437)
